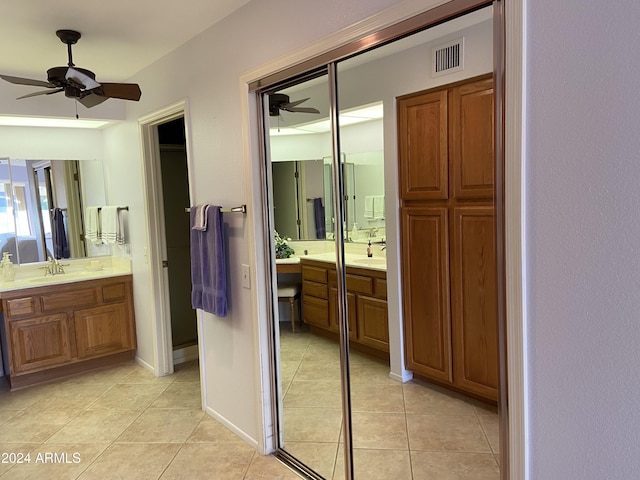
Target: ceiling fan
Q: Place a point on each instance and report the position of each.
(77, 82)
(280, 101)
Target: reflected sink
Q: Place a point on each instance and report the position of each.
(371, 261)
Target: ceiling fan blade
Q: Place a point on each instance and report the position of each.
(26, 81)
(295, 104)
(302, 110)
(41, 92)
(124, 91)
(81, 79)
(92, 99)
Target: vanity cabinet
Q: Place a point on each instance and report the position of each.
(366, 304)
(446, 165)
(61, 329)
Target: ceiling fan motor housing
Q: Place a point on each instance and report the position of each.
(277, 100)
(57, 75)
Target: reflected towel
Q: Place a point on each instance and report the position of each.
(318, 214)
(378, 206)
(60, 244)
(368, 206)
(208, 265)
(92, 225)
(200, 221)
(112, 225)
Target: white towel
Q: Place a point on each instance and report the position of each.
(368, 206)
(200, 218)
(92, 225)
(112, 225)
(378, 206)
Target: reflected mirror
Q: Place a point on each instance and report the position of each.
(41, 207)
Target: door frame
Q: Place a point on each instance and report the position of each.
(510, 19)
(156, 239)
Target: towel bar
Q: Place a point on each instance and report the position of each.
(240, 209)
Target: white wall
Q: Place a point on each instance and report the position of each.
(40, 143)
(583, 301)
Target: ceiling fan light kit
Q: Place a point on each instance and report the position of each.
(77, 83)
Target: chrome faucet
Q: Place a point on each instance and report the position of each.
(383, 244)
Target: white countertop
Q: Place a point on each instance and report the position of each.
(377, 262)
(76, 270)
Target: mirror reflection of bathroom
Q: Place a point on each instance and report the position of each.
(41, 207)
(421, 313)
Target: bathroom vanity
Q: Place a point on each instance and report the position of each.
(59, 325)
(366, 301)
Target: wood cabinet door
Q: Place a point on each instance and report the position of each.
(102, 330)
(474, 300)
(39, 342)
(315, 311)
(425, 285)
(351, 312)
(373, 322)
(422, 138)
(471, 139)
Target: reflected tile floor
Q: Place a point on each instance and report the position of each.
(122, 422)
(409, 431)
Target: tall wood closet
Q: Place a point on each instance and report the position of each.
(446, 168)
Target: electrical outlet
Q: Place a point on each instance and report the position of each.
(246, 279)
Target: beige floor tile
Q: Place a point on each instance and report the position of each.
(321, 457)
(321, 352)
(108, 375)
(312, 424)
(70, 396)
(376, 465)
(95, 426)
(129, 396)
(24, 428)
(191, 373)
(18, 451)
(420, 399)
(379, 431)
(59, 462)
(457, 433)
(142, 461)
(377, 398)
(313, 394)
(454, 466)
(371, 373)
(268, 468)
(491, 426)
(288, 370)
(6, 415)
(311, 371)
(143, 376)
(204, 461)
(23, 399)
(180, 395)
(209, 430)
(162, 425)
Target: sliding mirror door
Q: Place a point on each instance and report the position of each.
(405, 260)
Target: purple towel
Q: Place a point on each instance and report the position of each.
(208, 265)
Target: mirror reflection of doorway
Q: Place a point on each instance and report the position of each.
(428, 426)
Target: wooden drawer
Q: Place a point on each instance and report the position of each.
(117, 291)
(69, 299)
(316, 311)
(314, 274)
(314, 289)
(380, 287)
(20, 306)
(359, 284)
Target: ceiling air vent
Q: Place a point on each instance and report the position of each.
(448, 57)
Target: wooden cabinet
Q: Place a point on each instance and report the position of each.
(366, 304)
(448, 236)
(66, 328)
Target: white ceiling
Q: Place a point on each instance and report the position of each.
(119, 37)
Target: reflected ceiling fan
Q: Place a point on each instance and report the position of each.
(76, 82)
(280, 101)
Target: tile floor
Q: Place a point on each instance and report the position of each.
(123, 423)
(400, 431)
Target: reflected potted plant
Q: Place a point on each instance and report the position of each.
(283, 250)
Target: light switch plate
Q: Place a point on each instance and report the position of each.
(246, 279)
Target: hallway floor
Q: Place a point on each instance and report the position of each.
(123, 423)
(401, 431)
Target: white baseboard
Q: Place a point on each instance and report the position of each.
(243, 435)
(144, 364)
(404, 378)
(186, 354)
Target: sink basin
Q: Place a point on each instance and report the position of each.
(58, 278)
(371, 261)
